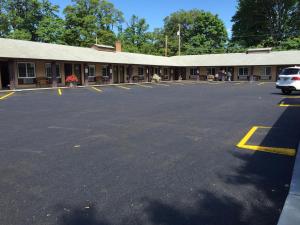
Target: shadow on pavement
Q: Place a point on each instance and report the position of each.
(270, 180)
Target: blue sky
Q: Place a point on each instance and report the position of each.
(154, 11)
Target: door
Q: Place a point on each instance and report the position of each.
(77, 72)
(68, 70)
(231, 70)
(115, 74)
(122, 74)
(4, 75)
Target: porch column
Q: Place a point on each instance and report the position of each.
(54, 75)
(86, 74)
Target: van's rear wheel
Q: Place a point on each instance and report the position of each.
(286, 92)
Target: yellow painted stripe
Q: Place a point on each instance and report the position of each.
(262, 83)
(7, 95)
(161, 84)
(282, 104)
(283, 151)
(145, 86)
(97, 89)
(59, 91)
(237, 83)
(247, 137)
(126, 88)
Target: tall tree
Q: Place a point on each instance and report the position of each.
(135, 37)
(260, 21)
(20, 19)
(87, 20)
(201, 32)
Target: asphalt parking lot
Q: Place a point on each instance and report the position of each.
(158, 155)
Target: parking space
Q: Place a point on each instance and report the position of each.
(152, 154)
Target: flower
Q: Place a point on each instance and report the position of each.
(72, 79)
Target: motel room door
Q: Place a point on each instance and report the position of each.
(122, 74)
(115, 74)
(4, 71)
(77, 72)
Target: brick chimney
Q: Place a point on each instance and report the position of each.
(118, 46)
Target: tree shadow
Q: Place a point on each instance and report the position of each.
(209, 210)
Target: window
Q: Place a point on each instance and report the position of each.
(92, 71)
(165, 71)
(157, 71)
(211, 71)
(243, 71)
(105, 71)
(290, 71)
(266, 71)
(26, 70)
(193, 71)
(140, 71)
(48, 70)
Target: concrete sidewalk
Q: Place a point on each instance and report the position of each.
(291, 211)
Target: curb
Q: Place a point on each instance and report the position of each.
(290, 214)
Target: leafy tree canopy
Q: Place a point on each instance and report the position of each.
(261, 21)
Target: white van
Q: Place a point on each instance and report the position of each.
(289, 80)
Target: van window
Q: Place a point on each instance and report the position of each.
(290, 71)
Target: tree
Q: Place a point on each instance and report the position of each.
(257, 22)
(201, 32)
(87, 20)
(20, 19)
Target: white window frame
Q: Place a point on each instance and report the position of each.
(243, 75)
(210, 69)
(94, 67)
(264, 71)
(27, 77)
(57, 75)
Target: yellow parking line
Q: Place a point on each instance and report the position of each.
(282, 104)
(59, 91)
(282, 151)
(7, 95)
(97, 89)
(166, 85)
(262, 83)
(126, 88)
(145, 86)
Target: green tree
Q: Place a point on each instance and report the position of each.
(87, 20)
(265, 21)
(20, 19)
(135, 37)
(201, 32)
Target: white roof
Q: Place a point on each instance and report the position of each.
(17, 49)
(240, 59)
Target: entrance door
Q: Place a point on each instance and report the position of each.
(122, 74)
(115, 74)
(231, 70)
(68, 70)
(4, 75)
(77, 72)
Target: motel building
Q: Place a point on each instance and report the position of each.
(26, 64)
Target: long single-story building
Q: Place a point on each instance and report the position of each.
(26, 64)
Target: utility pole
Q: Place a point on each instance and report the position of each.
(179, 39)
(166, 46)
